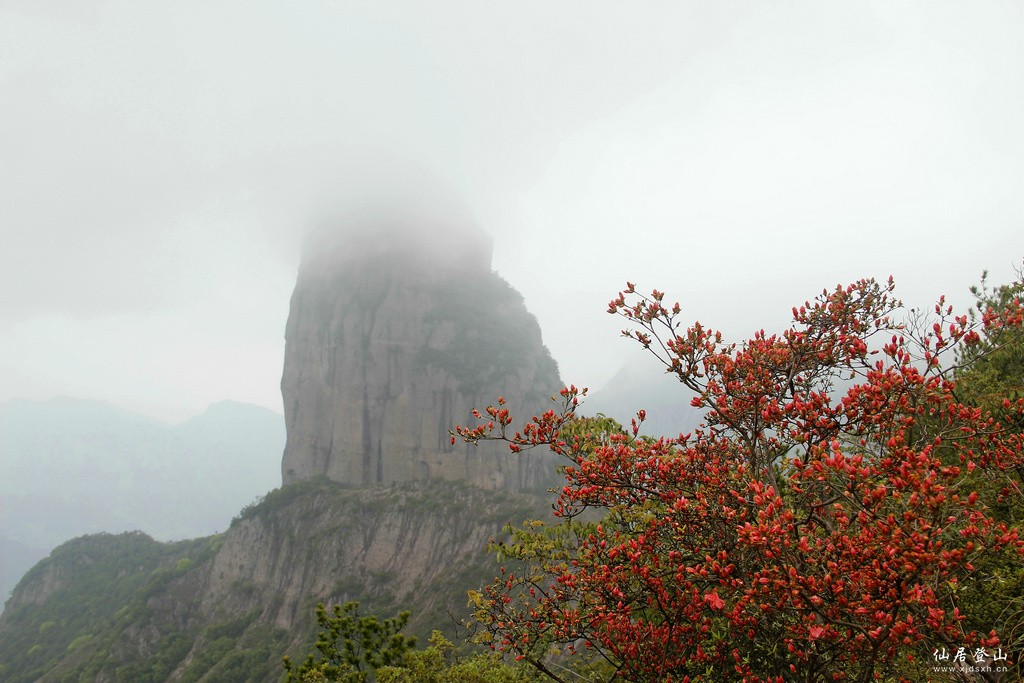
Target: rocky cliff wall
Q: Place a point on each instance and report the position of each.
(226, 608)
(393, 339)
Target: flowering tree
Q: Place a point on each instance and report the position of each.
(818, 526)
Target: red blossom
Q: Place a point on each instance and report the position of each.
(806, 529)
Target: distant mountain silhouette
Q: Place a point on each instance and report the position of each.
(70, 467)
(643, 384)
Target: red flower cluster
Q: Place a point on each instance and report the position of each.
(817, 527)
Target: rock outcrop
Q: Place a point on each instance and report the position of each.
(111, 608)
(398, 329)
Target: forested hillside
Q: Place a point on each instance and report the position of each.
(228, 607)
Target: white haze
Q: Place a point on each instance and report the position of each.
(160, 162)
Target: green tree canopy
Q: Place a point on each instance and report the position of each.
(351, 647)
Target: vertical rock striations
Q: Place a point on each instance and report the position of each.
(397, 330)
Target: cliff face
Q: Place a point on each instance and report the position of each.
(394, 337)
(227, 607)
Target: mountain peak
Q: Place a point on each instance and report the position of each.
(394, 336)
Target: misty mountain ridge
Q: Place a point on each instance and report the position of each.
(76, 414)
(643, 384)
(89, 415)
(73, 466)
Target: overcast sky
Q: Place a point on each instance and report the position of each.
(160, 162)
